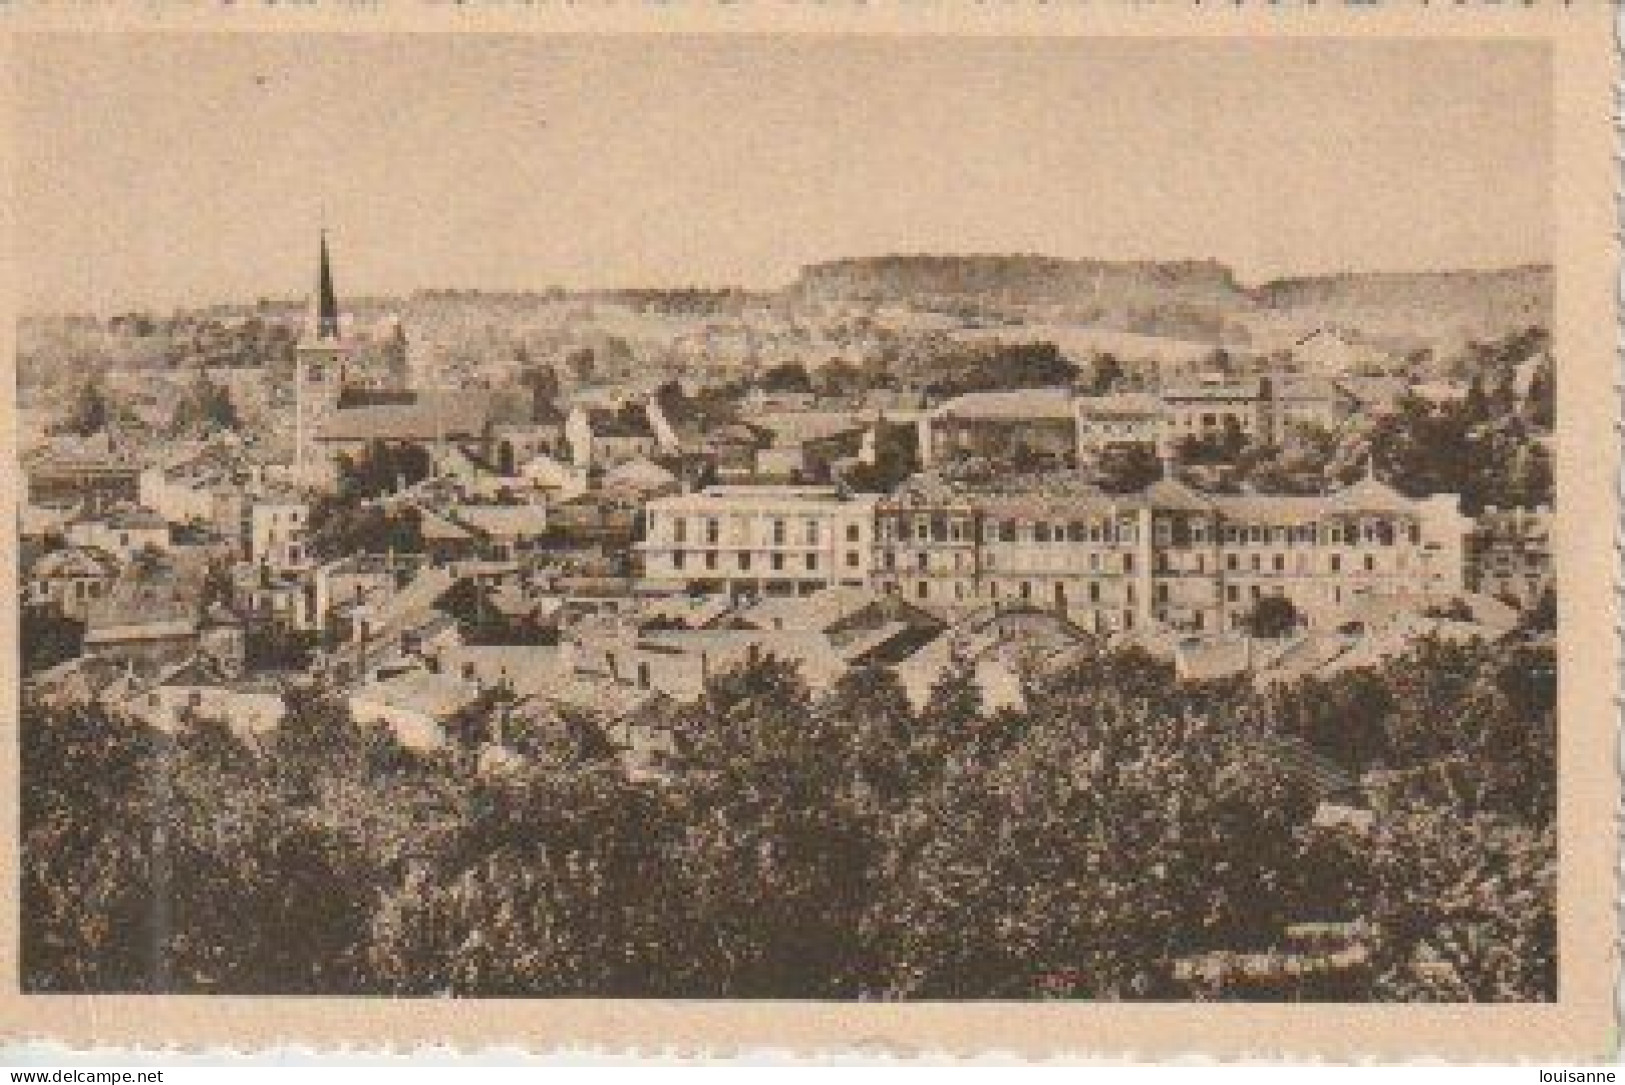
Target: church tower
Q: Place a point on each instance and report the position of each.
(319, 365)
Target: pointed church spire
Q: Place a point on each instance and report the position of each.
(327, 302)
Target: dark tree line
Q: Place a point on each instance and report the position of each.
(835, 846)
(351, 519)
(1000, 366)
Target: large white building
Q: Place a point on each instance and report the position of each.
(1168, 557)
(763, 540)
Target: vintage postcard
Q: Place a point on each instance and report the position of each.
(1078, 531)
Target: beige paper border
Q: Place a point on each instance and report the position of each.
(1580, 1026)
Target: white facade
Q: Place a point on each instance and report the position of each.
(181, 500)
(277, 534)
(121, 534)
(1125, 418)
(769, 540)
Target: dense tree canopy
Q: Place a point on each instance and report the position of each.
(88, 410)
(1088, 844)
(203, 407)
(952, 368)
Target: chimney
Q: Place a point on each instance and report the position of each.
(1166, 458)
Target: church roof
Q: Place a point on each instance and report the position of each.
(423, 416)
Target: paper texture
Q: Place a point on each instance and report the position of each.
(1075, 532)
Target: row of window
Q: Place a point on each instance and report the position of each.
(1059, 596)
(943, 529)
(1104, 620)
(927, 529)
(709, 529)
(78, 589)
(1121, 429)
(1256, 563)
(1124, 562)
(744, 561)
(1277, 563)
(124, 539)
(959, 561)
(1504, 562)
(1214, 419)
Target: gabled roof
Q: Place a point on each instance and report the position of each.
(514, 601)
(723, 649)
(1309, 388)
(1372, 495)
(809, 613)
(1120, 404)
(503, 521)
(1273, 508)
(626, 422)
(127, 518)
(1374, 391)
(437, 696)
(75, 561)
(1015, 405)
(1326, 333)
(85, 457)
(865, 641)
(545, 468)
(438, 528)
(528, 669)
(735, 433)
(85, 676)
(422, 416)
(219, 614)
(403, 422)
(607, 700)
(543, 413)
(1251, 388)
(695, 612)
(275, 495)
(41, 520)
(414, 603)
(802, 427)
(1060, 504)
(138, 609)
(1168, 493)
(639, 475)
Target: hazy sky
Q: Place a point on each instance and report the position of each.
(165, 170)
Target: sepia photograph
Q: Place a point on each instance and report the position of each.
(758, 517)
